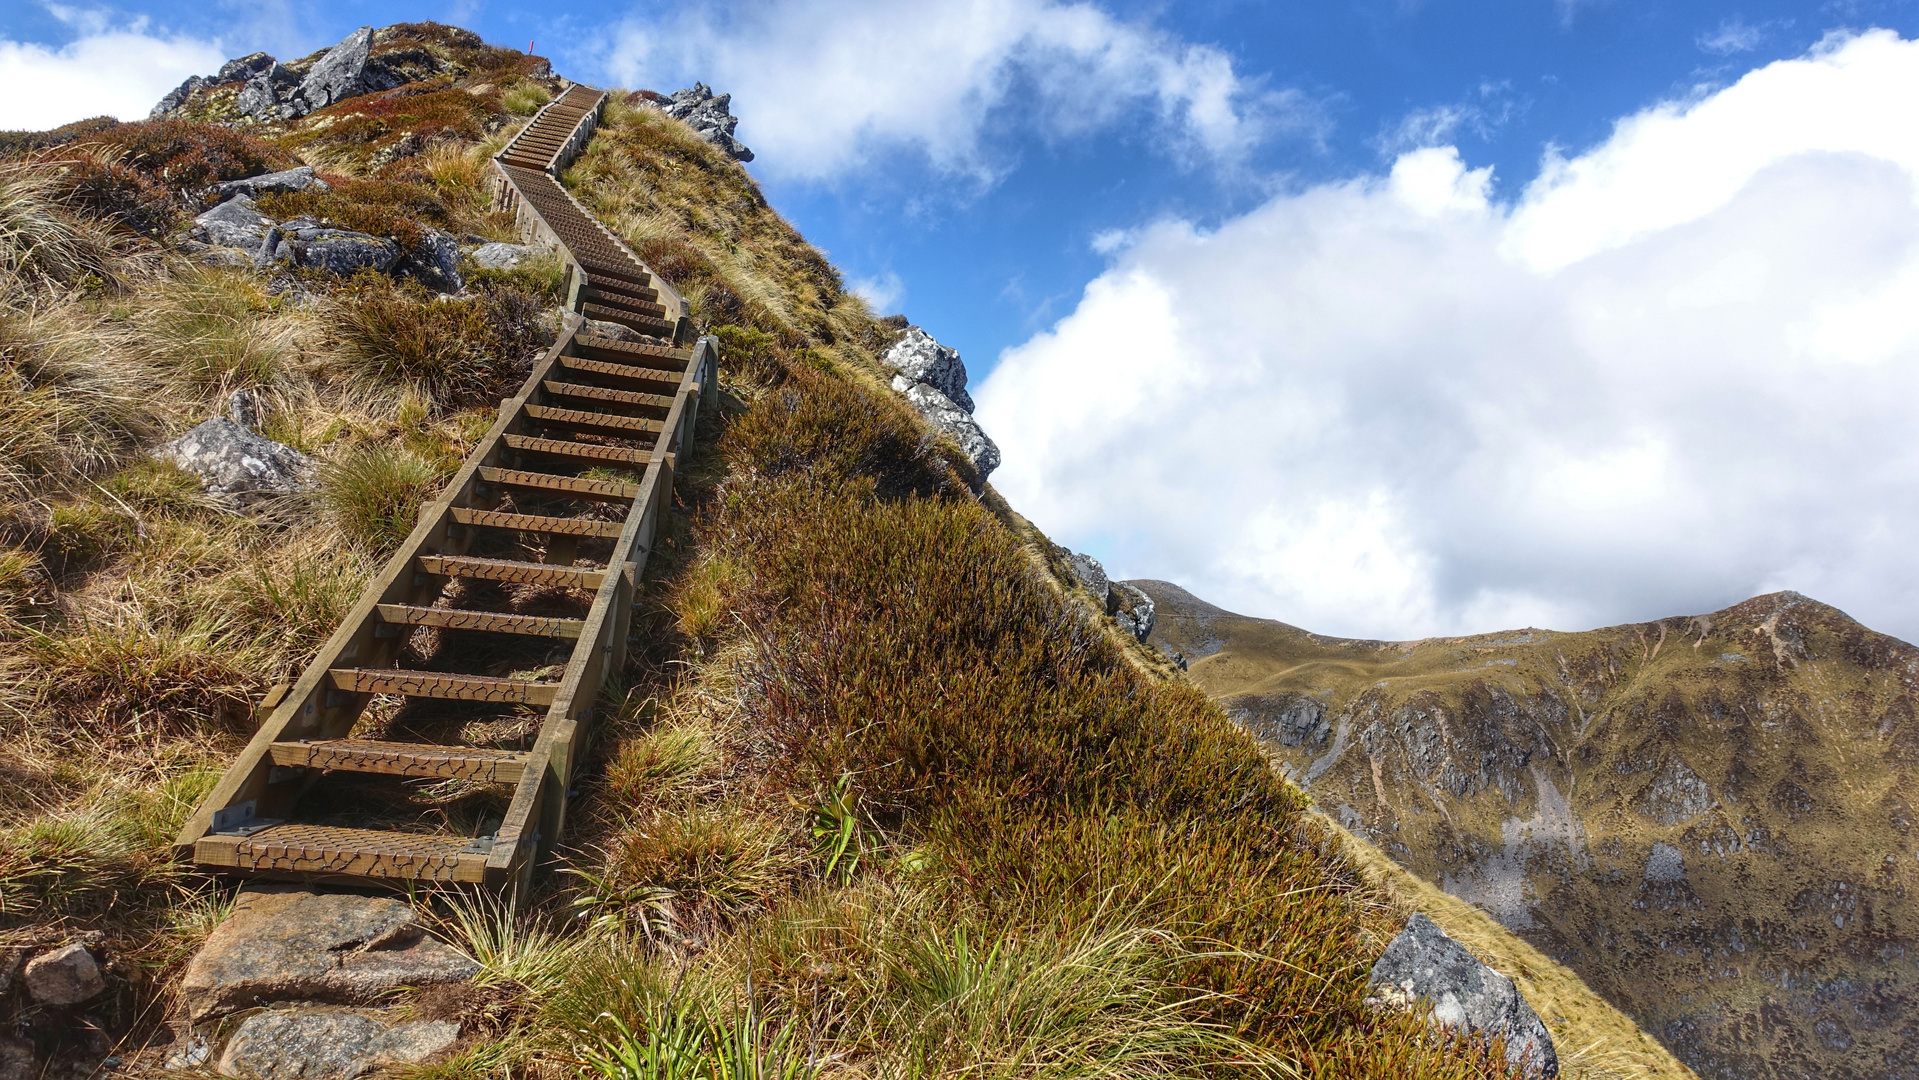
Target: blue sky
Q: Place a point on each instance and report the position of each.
(1386, 318)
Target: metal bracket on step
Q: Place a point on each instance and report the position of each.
(239, 820)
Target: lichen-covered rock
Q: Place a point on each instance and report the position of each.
(237, 466)
(65, 976)
(434, 262)
(1135, 610)
(920, 359)
(288, 944)
(329, 1044)
(180, 95)
(337, 75)
(499, 256)
(1091, 577)
(940, 411)
(235, 223)
(708, 115)
(295, 179)
(304, 242)
(1423, 964)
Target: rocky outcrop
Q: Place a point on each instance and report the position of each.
(338, 75)
(235, 223)
(366, 61)
(434, 262)
(295, 179)
(1131, 608)
(287, 944)
(236, 466)
(304, 242)
(709, 115)
(934, 380)
(335, 1044)
(1424, 965)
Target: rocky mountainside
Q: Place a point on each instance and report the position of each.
(1709, 817)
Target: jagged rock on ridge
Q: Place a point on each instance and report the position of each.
(246, 67)
(1424, 964)
(499, 256)
(299, 178)
(1136, 610)
(304, 242)
(236, 223)
(237, 466)
(337, 75)
(329, 1044)
(1091, 577)
(435, 263)
(283, 943)
(65, 976)
(709, 116)
(920, 359)
(940, 411)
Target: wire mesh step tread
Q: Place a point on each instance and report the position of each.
(326, 850)
(491, 622)
(603, 393)
(443, 686)
(538, 523)
(510, 571)
(424, 760)
(580, 486)
(578, 451)
(662, 377)
(615, 347)
(548, 414)
(622, 302)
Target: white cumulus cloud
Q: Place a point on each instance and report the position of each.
(120, 72)
(824, 86)
(1677, 370)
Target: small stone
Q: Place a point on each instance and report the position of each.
(65, 976)
(285, 944)
(499, 256)
(17, 1058)
(1422, 963)
(188, 1052)
(236, 465)
(329, 1044)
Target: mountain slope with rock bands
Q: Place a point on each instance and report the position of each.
(1708, 817)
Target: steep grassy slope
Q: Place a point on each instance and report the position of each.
(873, 798)
(1708, 817)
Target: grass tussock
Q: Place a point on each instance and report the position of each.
(460, 352)
(42, 243)
(374, 492)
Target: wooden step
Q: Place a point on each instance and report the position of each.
(492, 622)
(537, 523)
(328, 850)
(645, 324)
(620, 269)
(603, 393)
(577, 486)
(403, 759)
(626, 425)
(518, 573)
(623, 288)
(637, 353)
(623, 302)
(579, 451)
(442, 685)
(657, 376)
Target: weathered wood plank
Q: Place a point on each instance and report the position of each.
(581, 487)
(535, 523)
(519, 573)
(442, 685)
(493, 622)
(423, 760)
(579, 451)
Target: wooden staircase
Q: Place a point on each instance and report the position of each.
(472, 657)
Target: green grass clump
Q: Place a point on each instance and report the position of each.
(466, 351)
(373, 494)
(525, 99)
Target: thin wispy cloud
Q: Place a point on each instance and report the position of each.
(1732, 36)
(826, 89)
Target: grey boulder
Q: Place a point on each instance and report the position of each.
(287, 944)
(1091, 577)
(329, 1044)
(299, 178)
(180, 95)
(1423, 964)
(235, 465)
(710, 117)
(236, 223)
(65, 976)
(304, 242)
(940, 411)
(435, 263)
(245, 67)
(337, 75)
(498, 256)
(920, 359)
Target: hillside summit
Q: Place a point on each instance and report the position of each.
(1708, 816)
(881, 790)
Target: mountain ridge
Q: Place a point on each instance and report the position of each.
(1704, 815)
